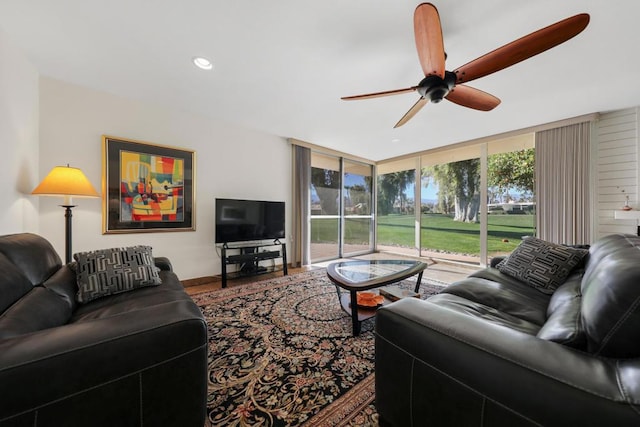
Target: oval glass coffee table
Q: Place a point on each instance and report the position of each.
(362, 275)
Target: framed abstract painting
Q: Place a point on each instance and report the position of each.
(147, 187)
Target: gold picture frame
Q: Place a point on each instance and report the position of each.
(147, 187)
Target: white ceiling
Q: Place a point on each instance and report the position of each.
(281, 66)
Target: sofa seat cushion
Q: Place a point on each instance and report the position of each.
(484, 312)
(493, 289)
(140, 299)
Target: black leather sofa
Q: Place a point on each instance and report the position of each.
(136, 358)
(492, 350)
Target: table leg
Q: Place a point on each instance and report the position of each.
(418, 281)
(354, 313)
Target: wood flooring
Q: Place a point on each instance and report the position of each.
(437, 270)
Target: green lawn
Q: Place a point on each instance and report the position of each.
(439, 232)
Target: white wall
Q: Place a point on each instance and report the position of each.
(616, 169)
(231, 162)
(18, 140)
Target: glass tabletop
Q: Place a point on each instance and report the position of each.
(372, 272)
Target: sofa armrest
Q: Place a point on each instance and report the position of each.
(496, 260)
(138, 364)
(435, 365)
(163, 263)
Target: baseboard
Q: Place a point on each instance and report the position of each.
(201, 281)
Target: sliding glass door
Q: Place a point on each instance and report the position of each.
(396, 210)
(325, 207)
(341, 217)
(511, 207)
(357, 196)
(450, 220)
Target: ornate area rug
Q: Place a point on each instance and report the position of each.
(282, 354)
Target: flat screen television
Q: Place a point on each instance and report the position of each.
(245, 220)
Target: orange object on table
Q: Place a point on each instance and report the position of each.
(369, 299)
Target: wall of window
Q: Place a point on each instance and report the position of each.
(396, 209)
(511, 203)
(396, 215)
(451, 194)
(471, 202)
(341, 217)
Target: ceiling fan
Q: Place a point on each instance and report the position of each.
(439, 83)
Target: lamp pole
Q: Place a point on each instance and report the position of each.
(67, 232)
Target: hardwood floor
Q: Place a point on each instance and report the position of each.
(212, 283)
(437, 270)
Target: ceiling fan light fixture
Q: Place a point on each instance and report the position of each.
(202, 63)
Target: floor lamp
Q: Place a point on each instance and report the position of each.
(67, 182)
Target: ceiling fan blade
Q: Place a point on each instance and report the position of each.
(473, 98)
(412, 111)
(522, 48)
(379, 94)
(428, 34)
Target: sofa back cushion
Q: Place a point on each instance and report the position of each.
(41, 308)
(63, 282)
(13, 283)
(611, 297)
(564, 322)
(31, 254)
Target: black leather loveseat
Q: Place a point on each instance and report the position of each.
(132, 358)
(495, 350)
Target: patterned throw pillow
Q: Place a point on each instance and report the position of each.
(543, 265)
(113, 271)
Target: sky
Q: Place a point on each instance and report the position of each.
(428, 194)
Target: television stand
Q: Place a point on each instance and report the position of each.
(248, 258)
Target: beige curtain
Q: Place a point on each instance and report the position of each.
(562, 184)
(299, 253)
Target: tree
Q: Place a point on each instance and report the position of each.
(391, 187)
(514, 170)
(459, 182)
(359, 197)
(458, 188)
(326, 182)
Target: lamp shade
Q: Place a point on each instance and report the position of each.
(65, 181)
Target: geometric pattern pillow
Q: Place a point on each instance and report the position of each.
(541, 264)
(112, 271)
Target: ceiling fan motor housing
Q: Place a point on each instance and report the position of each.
(435, 88)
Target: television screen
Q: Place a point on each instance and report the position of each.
(244, 220)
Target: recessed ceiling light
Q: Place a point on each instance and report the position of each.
(395, 140)
(202, 63)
